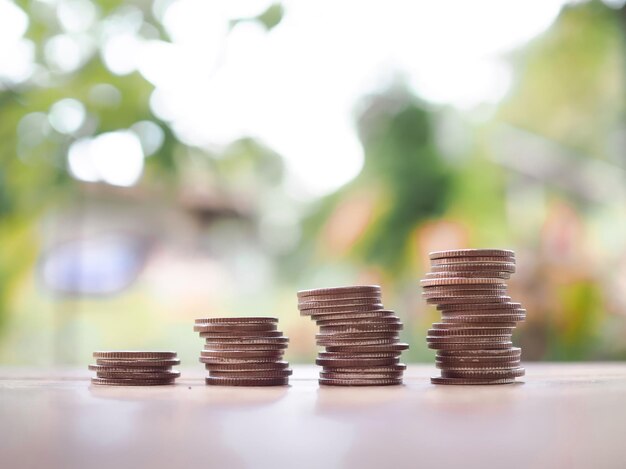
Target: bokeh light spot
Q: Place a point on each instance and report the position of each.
(67, 115)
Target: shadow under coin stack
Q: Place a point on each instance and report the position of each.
(360, 337)
(244, 351)
(126, 368)
(473, 340)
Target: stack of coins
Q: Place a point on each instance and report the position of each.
(243, 351)
(360, 337)
(473, 339)
(125, 368)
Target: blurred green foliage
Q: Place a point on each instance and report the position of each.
(570, 80)
(401, 156)
(568, 88)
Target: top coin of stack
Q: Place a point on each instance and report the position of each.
(360, 336)
(473, 341)
(126, 368)
(244, 351)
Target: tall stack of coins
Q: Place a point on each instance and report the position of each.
(125, 368)
(244, 351)
(360, 337)
(473, 339)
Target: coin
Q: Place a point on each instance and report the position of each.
(432, 297)
(473, 359)
(374, 326)
(472, 253)
(333, 303)
(357, 338)
(129, 369)
(134, 354)
(239, 361)
(477, 326)
(359, 321)
(131, 382)
(138, 362)
(471, 284)
(465, 339)
(452, 300)
(483, 373)
(360, 382)
(469, 289)
(342, 309)
(467, 273)
(247, 340)
(371, 289)
(396, 347)
(483, 312)
(358, 334)
(250, 374)
(369, 369)
(474, 295)
(499, 318)
(355, 342)
(241, 353)
(479, 306)
(468, 381)
(356, 362)
(472, 364)
(330, 342)
(353, 355)
(237, 320)
(453, 290)
(266, 366)
(461, 281)
(513, 351)
(235, 328)
(161, 375)
(243, 347)
(360, 375)
(332, 298)
(476, 332)
(243, 335)
(350, 316)
(348, 331)
(469, 346)
(466, 362)
(222, 381)
(461, 260)
(502, 267)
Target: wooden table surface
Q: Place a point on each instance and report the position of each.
(561, 416)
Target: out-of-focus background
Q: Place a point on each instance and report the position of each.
(167, 160)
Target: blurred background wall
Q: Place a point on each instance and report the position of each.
(171, 159)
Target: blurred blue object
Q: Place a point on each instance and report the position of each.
(103, 265)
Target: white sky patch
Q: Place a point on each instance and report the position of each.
(120, 53)
(296, 87)
(150, 135)
(63, 53)
(16, 53)
(80, 163)
(17, 61)
(113, 157)
(76, 15)
(67, 115)
(13, 22)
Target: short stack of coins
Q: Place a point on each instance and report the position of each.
(362, 346)
(134, 368)
(243, 351)
(473, 339)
